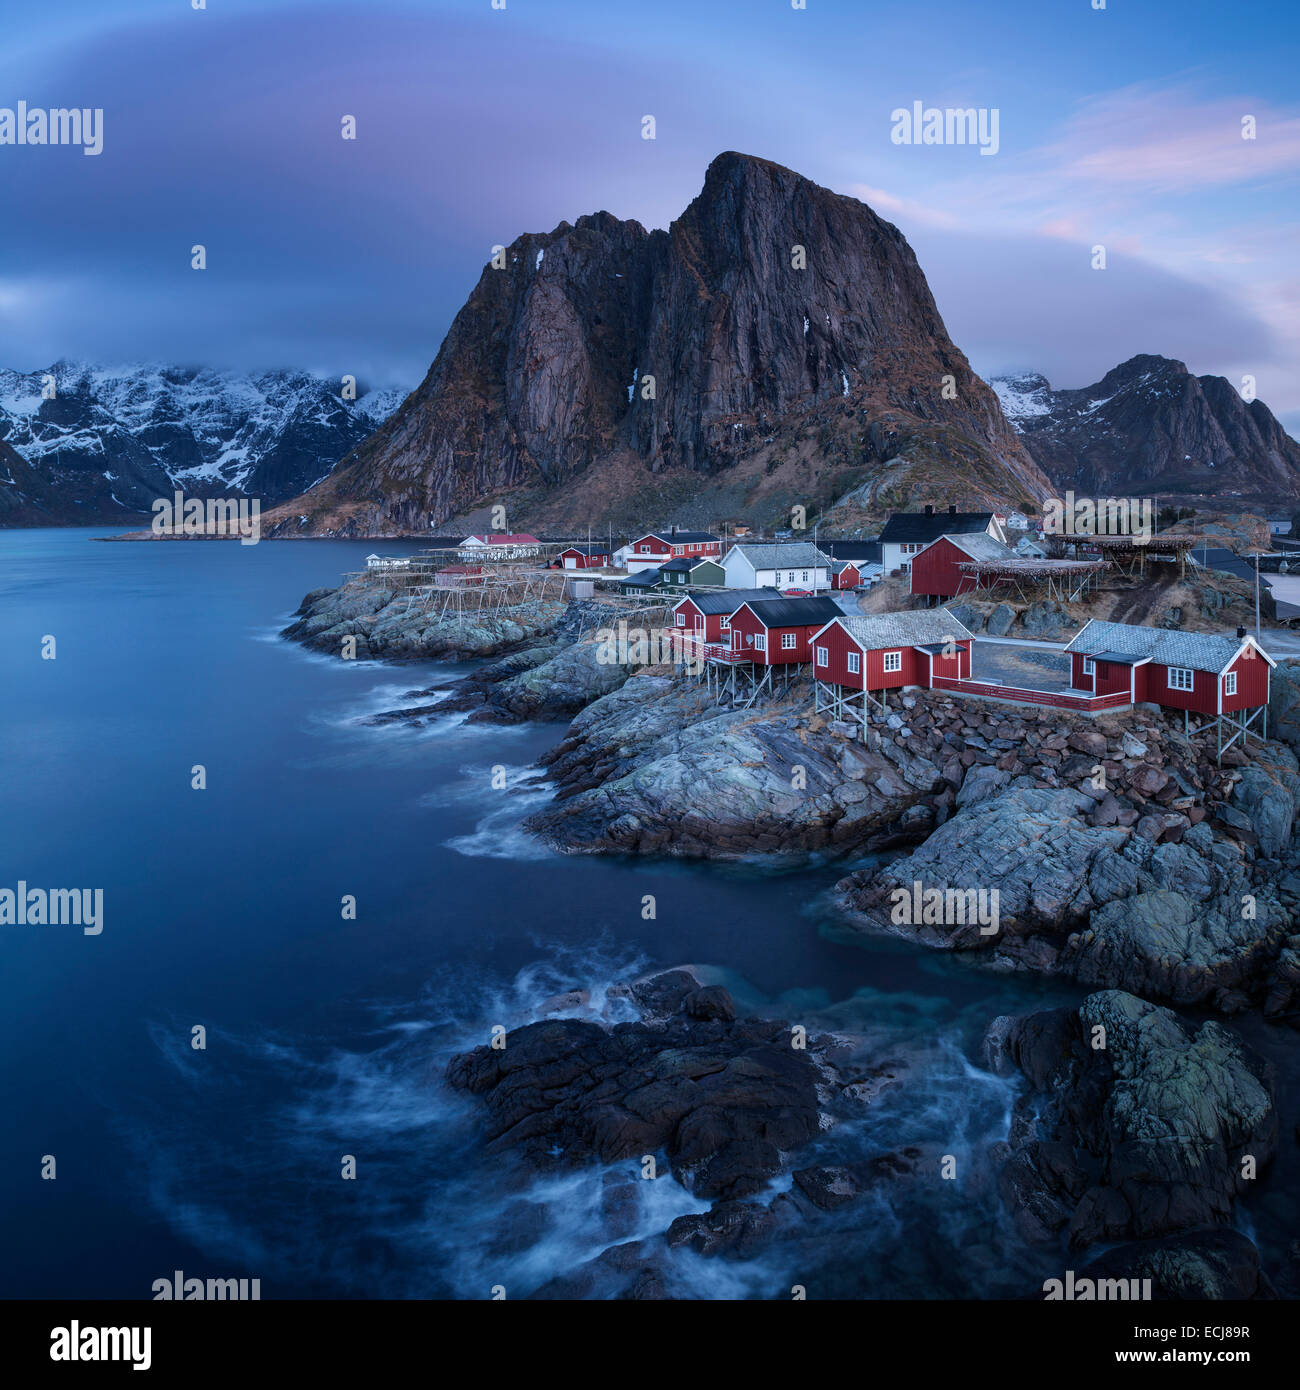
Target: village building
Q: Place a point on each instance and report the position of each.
(708, 615)
(656, 547)
(386, 562)
(583, 557)
(907, 533)
(701, 574)
(641, 581)
(779, 565)
(777, 631)
(1225, 680)
(500, 545)
(689, 574)
(857, 657)
(769, 643)
(845, 574)
(936, 569)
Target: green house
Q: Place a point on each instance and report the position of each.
(691, 572)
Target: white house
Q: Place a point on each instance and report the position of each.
(785, 565)
(389, 562)
(908, 533)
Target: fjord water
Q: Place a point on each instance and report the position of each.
(327, 1037)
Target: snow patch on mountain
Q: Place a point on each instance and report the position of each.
(267, 434)
(1022, 396)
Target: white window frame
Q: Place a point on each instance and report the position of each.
(1230, 683)
(893, 662)
(1180, 672)
(1089, 666)
(760, 641)
(726, 623)
(789, 641)
(643, 549)
(854, 663)
(823, 656)
(805, 576)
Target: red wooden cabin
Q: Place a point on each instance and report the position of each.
(666, 545)
(936, 570)
(847, 576)
(884, 651)
(1199, 672)
(583, 557)
(708, 615)
(778, 631)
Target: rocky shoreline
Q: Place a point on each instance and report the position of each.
(1125, 1151)
(1124, 859)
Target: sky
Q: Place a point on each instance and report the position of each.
(1119, 127)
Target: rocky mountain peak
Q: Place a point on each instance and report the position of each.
(1149, 425)
(777, 345)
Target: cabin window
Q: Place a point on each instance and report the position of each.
(1230, 683)
(823, 657)
(1181, 678)
(760, 642)
(805, 576)
(644, 549)
(726, 623)
(789, 642)
(893, 661)
(1089, 666)
(681, 620)
(855, 663)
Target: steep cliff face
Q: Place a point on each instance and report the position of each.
(26, 497)
(1150, 425)
(778, 345)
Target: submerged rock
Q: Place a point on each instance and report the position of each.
(725, 1100)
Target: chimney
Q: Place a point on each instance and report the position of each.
(952, 509)
(1241, 634)
(929, 510)
(674, 528)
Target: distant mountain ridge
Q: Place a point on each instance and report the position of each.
(777, 346)
(112, 440)
(1149, 425)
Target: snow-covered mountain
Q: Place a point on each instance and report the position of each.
(1149, 425)
(110, 441)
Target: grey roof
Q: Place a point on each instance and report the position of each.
(794, 612)
(915, 628)
(979, 545)
(644, 579)
(1200, 651)
(782, 554)
(728, 600)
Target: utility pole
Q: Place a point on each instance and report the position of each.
(1257, 632)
